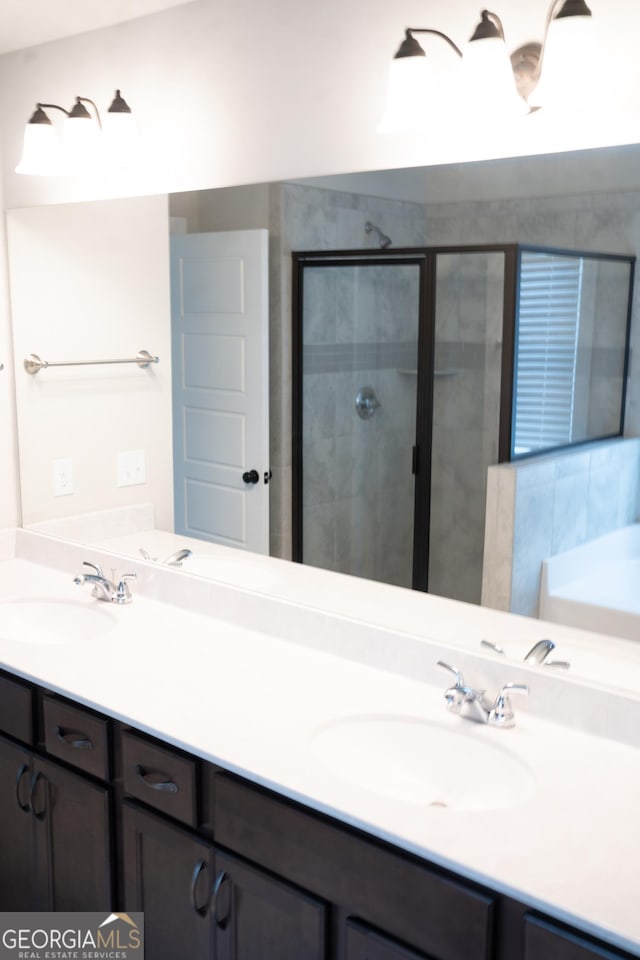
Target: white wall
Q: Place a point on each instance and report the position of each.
(9, 497)
(91, 282)
(250, 91)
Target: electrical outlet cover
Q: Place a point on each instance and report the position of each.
(62, 472)
(131, 468)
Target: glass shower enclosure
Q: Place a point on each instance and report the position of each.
(415, 370)
(397, 369)
(360, 332)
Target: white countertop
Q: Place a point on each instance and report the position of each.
(238, 679)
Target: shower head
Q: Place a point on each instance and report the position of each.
(383, 239)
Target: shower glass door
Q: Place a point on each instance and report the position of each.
(466, 415)
(358, 359)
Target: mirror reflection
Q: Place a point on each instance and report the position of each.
(570, 349)
(116, 296)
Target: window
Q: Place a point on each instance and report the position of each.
(546, 360)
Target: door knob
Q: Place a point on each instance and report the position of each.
(251, 476)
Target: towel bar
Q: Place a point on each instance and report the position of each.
(33, 363)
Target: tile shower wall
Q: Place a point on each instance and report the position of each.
(529, 517)
(466, 410)
(607, 222)
(306, 218)
(360, 330)
(540, 507)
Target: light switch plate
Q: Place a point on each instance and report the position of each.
(62, 471)
(131, 468)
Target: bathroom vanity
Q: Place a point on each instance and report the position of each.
(181, 755)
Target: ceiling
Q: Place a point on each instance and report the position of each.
(26, 23)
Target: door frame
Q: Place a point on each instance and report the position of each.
(422, 449)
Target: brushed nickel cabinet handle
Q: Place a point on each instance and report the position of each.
(221, 920)
(74, 738)
(156, 780)
(198, 870)
(35, 780)
(25, 807)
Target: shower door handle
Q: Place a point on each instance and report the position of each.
(251, 476)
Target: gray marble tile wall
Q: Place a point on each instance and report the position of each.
(466, 402)
(357, 478)
(311, 219)
(543, 506)
(607, 222)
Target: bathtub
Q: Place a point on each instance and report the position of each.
(596, 586)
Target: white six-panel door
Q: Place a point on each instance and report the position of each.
(219, 330)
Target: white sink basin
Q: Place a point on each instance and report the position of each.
(422, 762)
(52, 621)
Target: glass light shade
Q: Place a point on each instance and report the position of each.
(120, 139)
(41, 152)
(80, 145)
(570, 62)
(407, 95)
(488, 84)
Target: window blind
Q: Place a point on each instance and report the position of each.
(546, 355)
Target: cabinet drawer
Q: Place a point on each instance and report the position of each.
(16, 710)
(546, 941)
(161, 777)
(77, 736)
(422, 906)
(363, 943)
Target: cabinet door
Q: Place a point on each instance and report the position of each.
(73, 839)
(258, 917)
(545, 941)
(365, 944)
(17, 841)
(168, 874)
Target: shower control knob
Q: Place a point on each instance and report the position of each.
(251, 476)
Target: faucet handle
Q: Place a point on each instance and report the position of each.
(94, 566)
(539, 651)
(493, 646)
(502, 714)
(454, 670)
(455, 695)
(123, 593)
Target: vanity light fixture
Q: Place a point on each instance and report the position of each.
(86, 146)
(489, 81)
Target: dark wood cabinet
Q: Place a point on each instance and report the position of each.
(544, 940)
(431, 910)
(55, 848)
(71, 816)
(259, 917)
(17, 840)
(363, 943)
(168, 874)
(96, 816)
(203, 903)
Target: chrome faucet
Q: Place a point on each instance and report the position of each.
(472, 704)
(175, 560)
(103, 588)
(537, 655)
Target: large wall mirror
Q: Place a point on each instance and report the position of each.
(103, 289)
